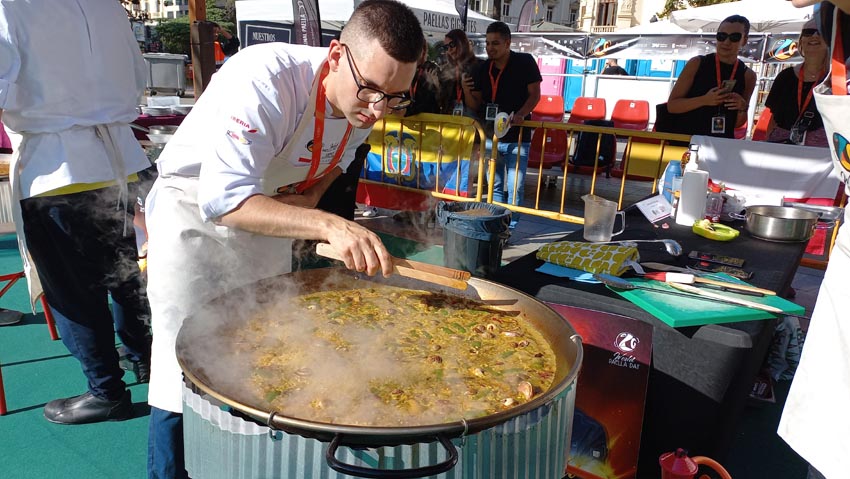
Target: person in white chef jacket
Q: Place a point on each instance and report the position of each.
(816, 417)
(243, 173)
(71, 76)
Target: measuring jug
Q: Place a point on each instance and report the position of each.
(599, 215)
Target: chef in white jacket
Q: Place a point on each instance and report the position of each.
(242, 175)
(71, 76)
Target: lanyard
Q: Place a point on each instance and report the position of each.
(318, 132)
(717, 70)
(839, 68)
(494, 83)
(802, 105)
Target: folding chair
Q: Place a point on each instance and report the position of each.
(631, 114)
(760, 132)
(588, 108)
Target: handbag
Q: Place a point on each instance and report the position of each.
(834, 106)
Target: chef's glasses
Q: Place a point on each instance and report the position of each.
(733, 37)
(373, 95)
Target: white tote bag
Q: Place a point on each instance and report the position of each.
(834, 105)
(816, 416)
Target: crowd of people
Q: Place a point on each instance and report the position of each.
(246, 173)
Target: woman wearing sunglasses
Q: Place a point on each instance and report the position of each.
(457, 75)
(795, 117)
(713, 91)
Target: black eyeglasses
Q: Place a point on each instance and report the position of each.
(451, 44)
(809, 32)
(733, 37)
(373, 95)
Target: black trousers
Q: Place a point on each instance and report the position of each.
(83, 255)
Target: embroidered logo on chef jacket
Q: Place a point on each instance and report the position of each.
(243, 124)
(334, 131)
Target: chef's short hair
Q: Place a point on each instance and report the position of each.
(392, 23)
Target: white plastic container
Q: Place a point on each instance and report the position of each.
(692, 203)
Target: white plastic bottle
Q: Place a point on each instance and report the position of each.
(692, 202)
(692, 161)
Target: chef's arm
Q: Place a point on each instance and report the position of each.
(530, 103)
(361, 248)
(474, 100)
(310, 197)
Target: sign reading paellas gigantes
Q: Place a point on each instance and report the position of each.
(440, 21)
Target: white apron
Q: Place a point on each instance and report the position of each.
(816, 418)
(109, 134)
(191, 262)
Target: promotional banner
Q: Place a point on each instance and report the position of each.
(672, 46)
(610, 394)
(308, 29)
(783, 48)
(462, 7)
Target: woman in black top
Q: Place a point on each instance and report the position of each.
(699, 92)
(458, 74)
(791, 100)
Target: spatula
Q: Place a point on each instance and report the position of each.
(452, 278)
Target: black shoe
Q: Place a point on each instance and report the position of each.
(87, 408)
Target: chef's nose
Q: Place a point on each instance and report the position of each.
(379, 108)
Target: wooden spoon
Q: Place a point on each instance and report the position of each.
(452, 278)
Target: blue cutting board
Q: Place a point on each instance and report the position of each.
(678, 311)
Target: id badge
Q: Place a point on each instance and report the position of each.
(718, 124)
(458, 109)
(491, 111)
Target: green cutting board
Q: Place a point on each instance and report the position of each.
(678, 311)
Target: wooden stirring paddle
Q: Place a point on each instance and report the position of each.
(452, 278)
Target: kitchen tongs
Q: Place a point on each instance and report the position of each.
(452, 278)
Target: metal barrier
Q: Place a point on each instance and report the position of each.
(407, 145)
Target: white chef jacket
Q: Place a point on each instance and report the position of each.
(74, 78)
(220, 156)
(66, 89)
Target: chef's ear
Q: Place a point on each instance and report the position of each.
(335, 55)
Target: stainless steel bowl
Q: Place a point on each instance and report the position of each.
(781, 223)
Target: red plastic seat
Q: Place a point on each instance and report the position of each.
(760, 132)
(549, 108)
(588, 108)
(631, 114)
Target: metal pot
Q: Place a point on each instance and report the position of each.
(544, 421)
(780, 223)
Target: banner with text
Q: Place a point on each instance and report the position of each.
(307, 23)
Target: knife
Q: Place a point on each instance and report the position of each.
(689, 278)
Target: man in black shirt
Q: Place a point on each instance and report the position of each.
(611, 68)
(507, 82)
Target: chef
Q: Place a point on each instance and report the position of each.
(71, 96)
(242, 176)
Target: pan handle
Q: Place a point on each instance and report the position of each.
(359, 471)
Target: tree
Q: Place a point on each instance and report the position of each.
(174, 35)
(673, 5)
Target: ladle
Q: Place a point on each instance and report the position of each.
(672, 246)
(620, 283)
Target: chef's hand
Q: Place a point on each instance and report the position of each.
(734, 101)
(360, 248)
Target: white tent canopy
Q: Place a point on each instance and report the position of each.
(434, 15)
(662, 27)
(766, 16)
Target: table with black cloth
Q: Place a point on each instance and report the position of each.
(701, 376)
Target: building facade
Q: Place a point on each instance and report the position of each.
(605, 16)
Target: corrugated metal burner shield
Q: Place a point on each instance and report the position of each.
(221, 445)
